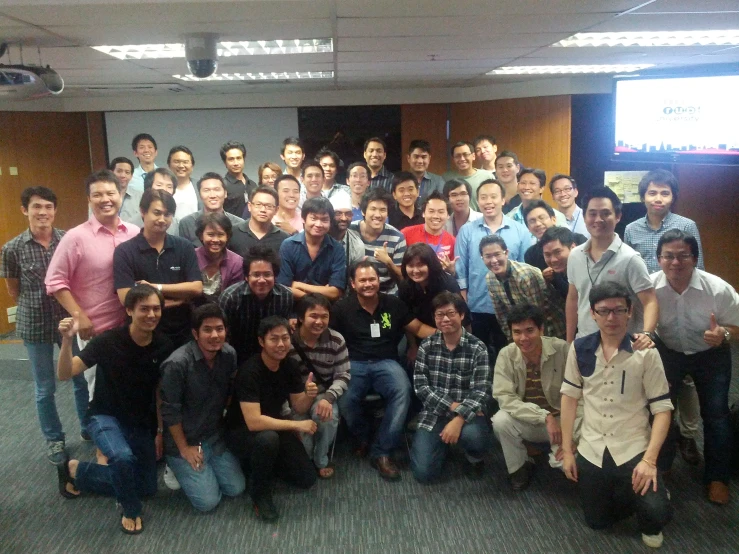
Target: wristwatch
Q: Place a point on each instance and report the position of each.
(727, 335)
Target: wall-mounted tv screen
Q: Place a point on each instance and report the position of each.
(677, 119)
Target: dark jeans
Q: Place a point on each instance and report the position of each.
(486, 328)
(607, 496)
(711, 372)
(270, 454)
(132, 466)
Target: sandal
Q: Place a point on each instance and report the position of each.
(64, 478)
(325, 472)
(133, 531)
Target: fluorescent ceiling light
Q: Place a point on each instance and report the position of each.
(258, 76)
(655, 38)
(554, 69)
(225, 48)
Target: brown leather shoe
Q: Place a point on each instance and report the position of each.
(718, 493)
(386, 468)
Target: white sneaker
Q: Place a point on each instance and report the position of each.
(652, 541)
(170, 480)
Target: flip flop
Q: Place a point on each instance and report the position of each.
(63, 476)
(132, 531)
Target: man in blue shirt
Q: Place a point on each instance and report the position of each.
(470, 268)
(312, 261)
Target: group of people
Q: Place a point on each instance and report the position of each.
(468, 304)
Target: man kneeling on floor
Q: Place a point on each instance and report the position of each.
(196, 383)
(617, 454)
(259, 433)
(123, 418)
(452, 378)
(528, 377)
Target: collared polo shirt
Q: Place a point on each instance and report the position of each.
(683, 318)
(243, 238)
(471, 270)
(618, 396)
(355, 324)
(237, 193)
(327, 269)
(231, 266)
(176, 263)
(384, 179)
(642, 238)
(188, 226)
(400, 221)
(620, 264)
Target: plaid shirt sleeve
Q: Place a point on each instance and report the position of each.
(480, 384)
(9, 267)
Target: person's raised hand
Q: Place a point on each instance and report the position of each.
(311, 389)
(70, 326)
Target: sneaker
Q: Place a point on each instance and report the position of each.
(266, 509)
(652, 541)
(56, 452)
(170, 480)
(85, 436)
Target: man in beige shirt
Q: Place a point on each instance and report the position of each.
(528, 377)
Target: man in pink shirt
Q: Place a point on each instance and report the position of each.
(80, 274)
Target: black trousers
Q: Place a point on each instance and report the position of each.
(607, 496)
(272, 454)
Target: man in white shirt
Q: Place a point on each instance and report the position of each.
(698, 314)
(564, 193)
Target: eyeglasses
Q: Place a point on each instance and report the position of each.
(462, 155)
(266, 276)
(605, 312)
(565, 190)
(259, 206)
(450, 314)
(455, 195)
(669, 258)
(496, 256)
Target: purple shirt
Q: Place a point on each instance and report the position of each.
(232, 266)
(83, 264)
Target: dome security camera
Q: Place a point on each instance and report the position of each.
(202, 54)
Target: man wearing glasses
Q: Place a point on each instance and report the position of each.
(564, 192)
(698, 314)
(258, 230)
(458, 192)
(463, 155)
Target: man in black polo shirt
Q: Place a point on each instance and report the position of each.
(238, 186)
(259, 432)
(258, 230)
(372, 325)
(256, 297)
(123, 417)
(167, 263)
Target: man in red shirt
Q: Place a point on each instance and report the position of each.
(436, 212)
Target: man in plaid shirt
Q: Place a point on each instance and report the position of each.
(452, 378)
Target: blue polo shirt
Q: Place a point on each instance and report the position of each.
(470, 268)
(329, 267)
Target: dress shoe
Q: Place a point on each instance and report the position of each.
(521, 478)
(266, 509)
(689, 451)
(386, 468)
(361, 450)
(718, 493)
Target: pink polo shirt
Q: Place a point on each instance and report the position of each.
(83, 264)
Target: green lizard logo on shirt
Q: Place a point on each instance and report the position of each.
(385, 318)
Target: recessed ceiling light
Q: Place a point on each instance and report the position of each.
(655, 38)
(225, 48)
(260, 76)
(554, 69)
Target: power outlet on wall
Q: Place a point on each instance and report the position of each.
(11, 314)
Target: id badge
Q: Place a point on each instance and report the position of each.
(375, 330)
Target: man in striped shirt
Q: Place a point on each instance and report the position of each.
(323, 358)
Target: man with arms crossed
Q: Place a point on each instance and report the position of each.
(616, 463)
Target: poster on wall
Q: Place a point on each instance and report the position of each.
(625, 184)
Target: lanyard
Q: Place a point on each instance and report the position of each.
(438, 245)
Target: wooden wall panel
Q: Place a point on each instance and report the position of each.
(536, 129)
(425, 121)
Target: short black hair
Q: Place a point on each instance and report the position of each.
(151, 195)
(101, 176)
(540, 174)
(232, 145)
(206, 311)
(562, 234)
(137, 293)
(676, 234)
(261, 254)
(323, 152)
(319, 206)
(120, 160)
(557, 176)
(311, 163)
(142, 136)
(291, 141)
(454, 184)
(364, 262)
(42, 192)
(377, 194)
(211, 175)
(659, 177)
(447, 297)
(602, 192)
(374, 139)
(271, 322)
(212, 219)
(436, 195)
(149, 177)
(402, 177)
(359, 164)
(482, 138)
(488, 182)
(265, 189)
(609, 289)
(507, 154)
(535, 204)
(180, 148)
(310, 301)
(286, 177)
(523, 312)
(420, 144)
(460, 144)
(487, 240)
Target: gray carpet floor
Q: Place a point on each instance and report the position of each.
(356, 512)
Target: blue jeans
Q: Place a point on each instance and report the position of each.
(389, 380)
(428, 452)
(220, 474)
(317, 445)
(41, 355)
(132, 466)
